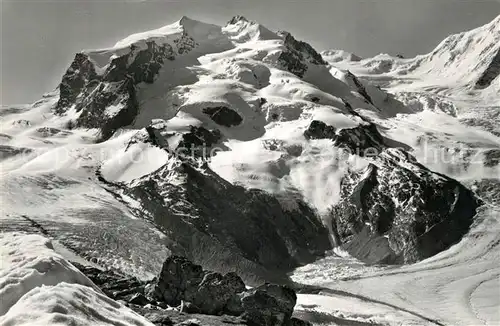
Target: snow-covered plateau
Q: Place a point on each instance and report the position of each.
(370, 185)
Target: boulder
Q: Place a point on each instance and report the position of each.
(215, 290)
(195, 291)
(268, 305)
(181, 280)
(177, 278)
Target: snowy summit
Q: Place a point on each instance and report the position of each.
(202, 174)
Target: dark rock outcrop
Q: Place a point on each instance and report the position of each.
(180, 280)
(222, 226)
(236, 19)
(199, 141)
(268, 304)
(203, 218)
(363, 140)
(116, 285)
(196, 291)
(397, 211)
(49, 131)
(360, 87)
(297, 55)
(108, 101)
(223, 116)
(304, 49)
(320, 130)
(80, 73)
(491, 73)
(292, 62)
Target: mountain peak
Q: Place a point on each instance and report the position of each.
(242, 29)
(495, 21)
(236, 19)
(188, 22)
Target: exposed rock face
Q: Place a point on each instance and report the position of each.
(208, 291)
(108, 101)
(236, 19)
(397, 211)
(492, 157)
(488, 190)
(491, 73)
(120, 96)
(268, 304)
(298, 55)
(80, 73)
(360, 87)
(199, 140)
(303, 48)
(221, 226)
(194, 290)
(114, 285)
(291, 61)
(362, 140)
(320, 130)
(204, 215)
(223, 116)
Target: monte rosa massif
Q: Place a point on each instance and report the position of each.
(208, 175)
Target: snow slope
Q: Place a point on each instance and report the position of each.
(39, 287)
(453, 68)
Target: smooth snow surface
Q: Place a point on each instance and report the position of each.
(39, 287)
(351, 309)
(50, 174)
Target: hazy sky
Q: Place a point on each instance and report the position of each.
(39, 38)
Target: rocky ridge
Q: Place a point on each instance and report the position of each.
(396, 210)
(108, 101)
(185, 293)
(202, 215)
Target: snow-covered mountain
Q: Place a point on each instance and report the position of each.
(467, 60)
(247, 150)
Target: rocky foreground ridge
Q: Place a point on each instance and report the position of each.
(185, 294)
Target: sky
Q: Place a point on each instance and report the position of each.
(39, 38)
